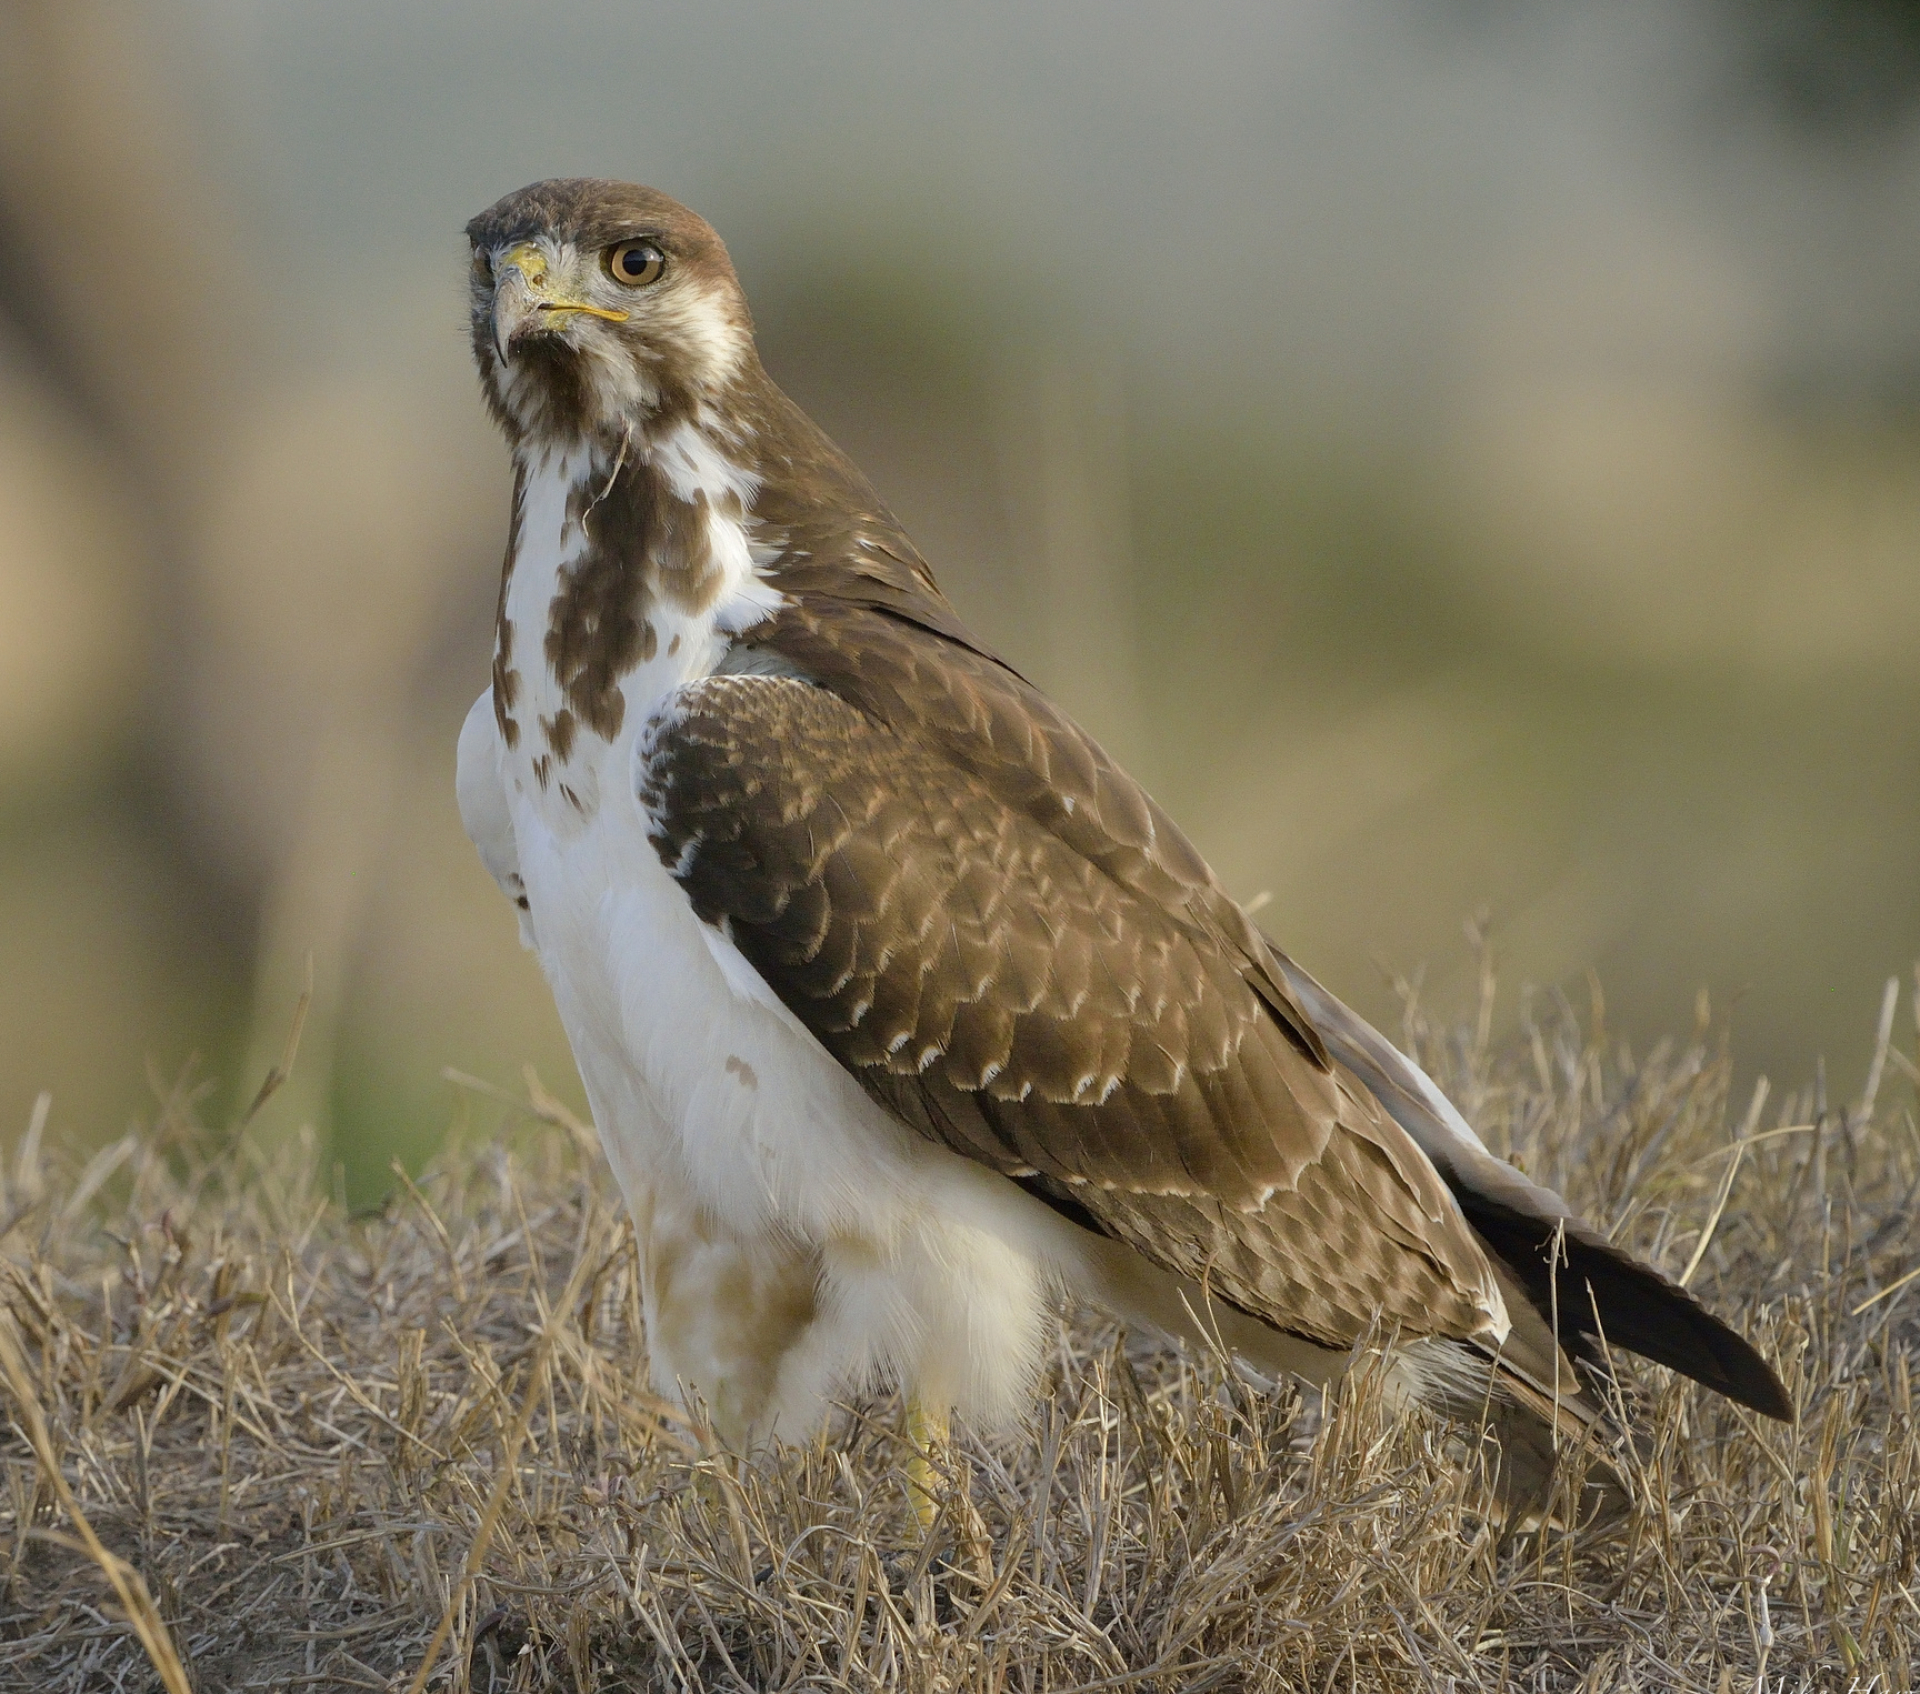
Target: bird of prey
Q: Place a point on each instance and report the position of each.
(900, 1007)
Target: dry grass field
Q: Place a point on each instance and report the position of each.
(294, 1448)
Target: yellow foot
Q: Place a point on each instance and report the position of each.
(927, 1431)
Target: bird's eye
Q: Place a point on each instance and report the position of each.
(636, 263)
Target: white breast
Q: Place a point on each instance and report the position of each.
(681, 1043)
(728, 1124)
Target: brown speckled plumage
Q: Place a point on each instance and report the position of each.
(975, 911)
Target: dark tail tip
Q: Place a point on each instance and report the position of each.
(1605, 1293)
(1708, 1351)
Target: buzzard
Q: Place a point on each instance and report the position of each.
(900, 1006)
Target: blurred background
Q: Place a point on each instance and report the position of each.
(1463, 454)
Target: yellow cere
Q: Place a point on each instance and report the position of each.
(528, 260)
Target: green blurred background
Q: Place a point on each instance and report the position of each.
(1461, 455)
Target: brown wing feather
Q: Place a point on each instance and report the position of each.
(1050, 994)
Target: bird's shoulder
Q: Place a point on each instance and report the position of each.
(874, 632)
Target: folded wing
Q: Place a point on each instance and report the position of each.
(1007, 997)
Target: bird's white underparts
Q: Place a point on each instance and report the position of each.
(901, 1009)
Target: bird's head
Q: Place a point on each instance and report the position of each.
(600, 305)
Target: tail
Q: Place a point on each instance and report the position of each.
(1576, 1285)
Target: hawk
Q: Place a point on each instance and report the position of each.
(900, 1007)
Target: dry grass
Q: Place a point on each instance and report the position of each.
(300, 1427)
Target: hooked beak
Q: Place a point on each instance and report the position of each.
(525, 303)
